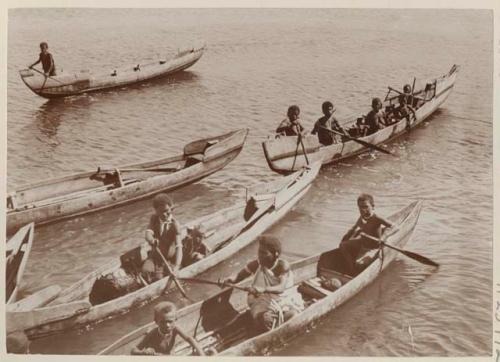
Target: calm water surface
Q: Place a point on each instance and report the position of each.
(258, 62)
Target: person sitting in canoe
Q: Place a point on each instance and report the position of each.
(369, 223)
(375, 119)
(49, 67)
(163, 234)
(291, 126)
(161, 340)
(272, 276)
(404, 109)
(325, 123)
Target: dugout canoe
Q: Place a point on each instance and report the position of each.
(225, 232)
(223, 323)
(285, 154)
(61, 198)
(64, 85)
(17, 252)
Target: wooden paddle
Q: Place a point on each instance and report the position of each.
(46, 76)
(255, 217)
(409, 254)
(221, 284)
(361, 142)
(172, 275)
(303, 148)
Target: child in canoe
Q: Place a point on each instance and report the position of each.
(291, 126)
(163, 234)
(161, 340)
(328, 122)
(272, 276)
(375, 119)
(368, 223)
(49, 67)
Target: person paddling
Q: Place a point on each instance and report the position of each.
(369, 223)
(49, 67)
(272, 276)
(291, 126)
(161, 340)
(163, 234)
(328, 121)
(375, 119)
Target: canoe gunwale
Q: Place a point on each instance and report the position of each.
(280, 162)
(226, 149)
(140, 297)
(27, 233)
(408, 219)
(44, 91)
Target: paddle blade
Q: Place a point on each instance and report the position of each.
(375, 147)
(422, 259)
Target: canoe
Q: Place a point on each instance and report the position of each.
(61, 198)
(17, 252)
(64, 85)
(223, 323)
(225, 232)
(285, 154)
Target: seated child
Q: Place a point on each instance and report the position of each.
(269, 304)
(161, 340)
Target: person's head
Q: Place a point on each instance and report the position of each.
(18, 343)
(328, 108)
(366, 205)
(269, 250)
(293, 113)
(165, 314)
(44, 46)
(407, 89)
(163, 206)
(376, 104)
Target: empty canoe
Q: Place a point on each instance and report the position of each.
(64, 85)
(56, 199)
(225, 232)
(285, 153)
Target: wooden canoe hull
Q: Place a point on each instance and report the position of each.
(285, 154)
(89, 195)
(295, 186)
(85, 82)
(289, 329)
(18, 247)
(203, 318)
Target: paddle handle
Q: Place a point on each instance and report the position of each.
(172, 275)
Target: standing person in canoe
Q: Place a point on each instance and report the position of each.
(163, 234)
(291, 126)
(161, 340)
(375, 119)
(49, 67)
(272, 276)
(328, 121)
(368, 223)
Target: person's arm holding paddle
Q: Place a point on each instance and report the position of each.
(241, 275)
(178, 246)
(192, 342)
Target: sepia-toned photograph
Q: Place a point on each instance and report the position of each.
(249, 181)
